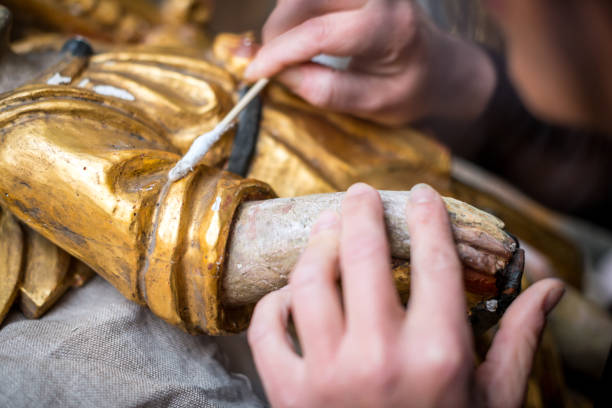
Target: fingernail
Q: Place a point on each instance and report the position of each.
(553, 297)
(291, 77)
(326, 221)
(422, 193)
(251, 70)
(358, 188)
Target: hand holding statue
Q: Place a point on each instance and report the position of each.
(402, 67)
(361, 348)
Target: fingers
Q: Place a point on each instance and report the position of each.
(343, 33)
(316, 307)
(437, 286)
(273, 352)
(370, 299)
(328, 88)
(288, 14)
(503, 376)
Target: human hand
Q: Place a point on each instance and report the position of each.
(403, 68)
(361, 348)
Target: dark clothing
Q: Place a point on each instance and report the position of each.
(568, 170)
(565, 169)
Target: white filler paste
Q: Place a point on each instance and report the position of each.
(109, 90)
(198, 149)
(58, 79)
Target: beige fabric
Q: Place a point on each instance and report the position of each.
(97, 349)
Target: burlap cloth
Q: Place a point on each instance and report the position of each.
(97, 349)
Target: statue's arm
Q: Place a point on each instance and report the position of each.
(268, 237)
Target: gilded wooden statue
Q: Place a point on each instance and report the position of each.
(88, 140)
(165, 22)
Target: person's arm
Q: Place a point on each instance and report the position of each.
(361, 348)
(405, 70)
(566, 169)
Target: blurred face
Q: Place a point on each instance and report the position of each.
(560, 57)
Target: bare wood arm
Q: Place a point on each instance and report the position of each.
(268, 237)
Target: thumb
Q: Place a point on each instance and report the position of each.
(329, 88)
(502, 378)
(381, 98)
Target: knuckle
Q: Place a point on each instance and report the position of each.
(442, 360)
(318, 29)
(406, 18)
(396, 28)
(379, 372)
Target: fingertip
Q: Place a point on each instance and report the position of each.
(361, 197)
(554, 295)
(270, 305)
(328, 220)
(425, 206)
(253, 71)
(359, 189)
(422, 194)
(532, 306)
